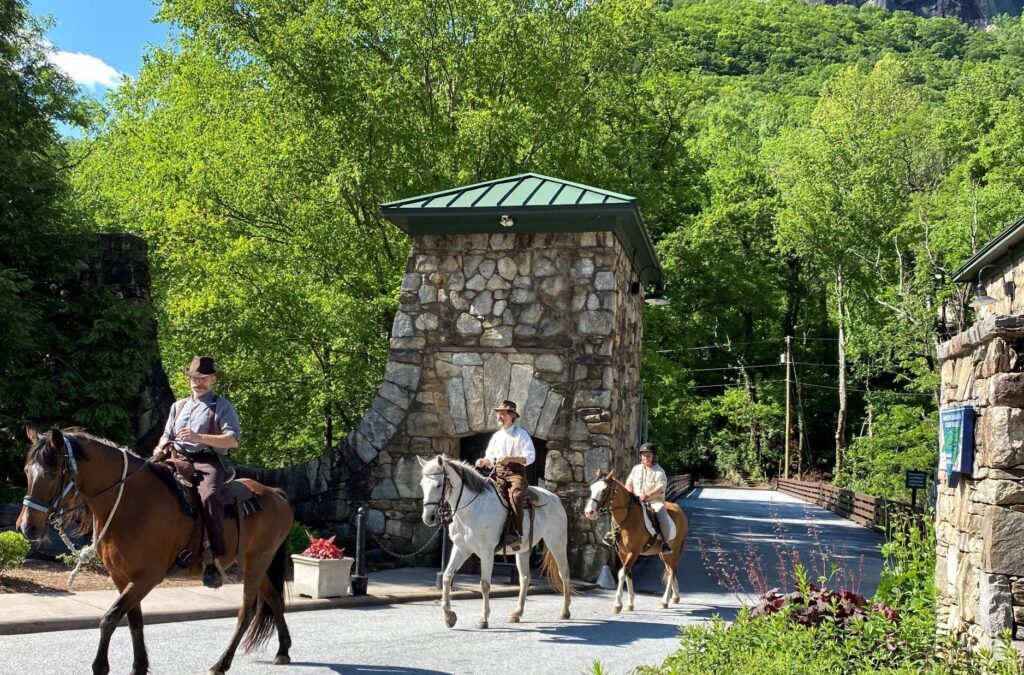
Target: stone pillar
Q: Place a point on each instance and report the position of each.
(980, 521)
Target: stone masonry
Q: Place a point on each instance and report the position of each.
(980, 521)
(544, 319)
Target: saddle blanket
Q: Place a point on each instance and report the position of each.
(670, 531)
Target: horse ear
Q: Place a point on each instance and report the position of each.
(440, 461)
(32, 432)
(422, 461)
(56, 439)
(610, 475)
(598, 473)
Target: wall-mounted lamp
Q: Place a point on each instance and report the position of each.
(981, 298)
(506, 221)
(657, 294)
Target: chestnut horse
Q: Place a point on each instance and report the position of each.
(141, 530)
(608, 495)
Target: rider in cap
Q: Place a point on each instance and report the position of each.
(509, 453)
(204, 427)
(648, 481)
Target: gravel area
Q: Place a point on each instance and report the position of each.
(48, 576)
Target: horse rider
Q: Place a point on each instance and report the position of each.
(509, 452)
(648, 481)
(204, 427)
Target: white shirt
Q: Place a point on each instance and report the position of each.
(514, 442)
(644, 480)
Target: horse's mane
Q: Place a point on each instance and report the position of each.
(473, 481)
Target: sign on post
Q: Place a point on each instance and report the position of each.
(957, 434)
(916, 479)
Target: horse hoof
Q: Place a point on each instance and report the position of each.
(450, 619)
(282, 660)
(564, 615)
(664, 605)
(482, 624)
(616, 609)
(513, 618)
(629, 608)
(675, 601)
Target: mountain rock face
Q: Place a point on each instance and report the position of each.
(974, 12)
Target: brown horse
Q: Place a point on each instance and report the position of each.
(608, 495)
(141, 530)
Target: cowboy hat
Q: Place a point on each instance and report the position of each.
(508, 406)
(201, 366)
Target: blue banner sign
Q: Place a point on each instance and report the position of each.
(957, 429)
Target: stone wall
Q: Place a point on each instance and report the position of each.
(980, 520)
(545, 320)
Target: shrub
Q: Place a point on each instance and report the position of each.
(322, 549)
(13, 549)
(298, 538)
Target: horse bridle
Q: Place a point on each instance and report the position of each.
(604, 507)
(68, 468)
(446, 508)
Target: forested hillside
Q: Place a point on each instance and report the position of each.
(806, 171)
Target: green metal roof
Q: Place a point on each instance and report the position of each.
(1008, 245)
(535, 203)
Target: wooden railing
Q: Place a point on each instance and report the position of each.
(864, 509)
(678, 486)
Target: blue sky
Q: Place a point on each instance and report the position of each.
(97, 40)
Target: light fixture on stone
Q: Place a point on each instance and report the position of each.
(506, 221)
(657, 295)
(981, 298)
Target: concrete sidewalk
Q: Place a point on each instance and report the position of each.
(43, 612)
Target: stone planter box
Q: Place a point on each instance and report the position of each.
(317, 578)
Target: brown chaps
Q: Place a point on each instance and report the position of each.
(512, 479)
(209, 477)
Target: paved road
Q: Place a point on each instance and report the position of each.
(411, 639)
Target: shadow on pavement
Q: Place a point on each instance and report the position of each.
(355, 669)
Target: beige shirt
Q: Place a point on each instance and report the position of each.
(644, 480)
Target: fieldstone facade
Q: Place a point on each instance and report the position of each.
(544, 319)
(980, 520)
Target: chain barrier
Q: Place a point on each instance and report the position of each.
(415, 553)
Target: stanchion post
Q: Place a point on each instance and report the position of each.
(359, 578)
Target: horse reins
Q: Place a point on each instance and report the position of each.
(605, 506)
(448, 514)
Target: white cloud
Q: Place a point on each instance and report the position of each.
(85, 69)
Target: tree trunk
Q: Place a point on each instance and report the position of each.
(841, 421)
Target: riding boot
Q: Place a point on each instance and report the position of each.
(211, 577)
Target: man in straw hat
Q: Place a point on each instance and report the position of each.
(508, 454)
(203, 427)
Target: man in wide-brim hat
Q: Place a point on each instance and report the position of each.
(203, 427)
(509, 452)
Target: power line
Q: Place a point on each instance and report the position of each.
(868, 391)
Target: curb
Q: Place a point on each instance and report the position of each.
(307, 605)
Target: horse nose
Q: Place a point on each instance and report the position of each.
(429, 517)
(30, 531)
(591, 514)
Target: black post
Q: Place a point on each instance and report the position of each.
(359, 578)
(913, 498)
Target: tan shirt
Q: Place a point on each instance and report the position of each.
(644, 480)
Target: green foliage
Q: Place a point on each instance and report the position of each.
(877, 643)
(298, 538)
(901, 437)
(13, 550)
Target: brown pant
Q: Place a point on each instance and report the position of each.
(512, 477)
(210, 475)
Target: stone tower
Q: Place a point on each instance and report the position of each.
(526, 288)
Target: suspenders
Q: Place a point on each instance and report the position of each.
(212, 428)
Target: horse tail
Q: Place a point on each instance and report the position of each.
(550, 567)
(270, 601)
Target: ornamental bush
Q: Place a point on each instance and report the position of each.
(323, 549)
(13, 549)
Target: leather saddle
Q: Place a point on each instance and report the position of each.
(236, 498)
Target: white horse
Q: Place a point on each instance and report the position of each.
(477, 522)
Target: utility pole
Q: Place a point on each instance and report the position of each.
(789, 365)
